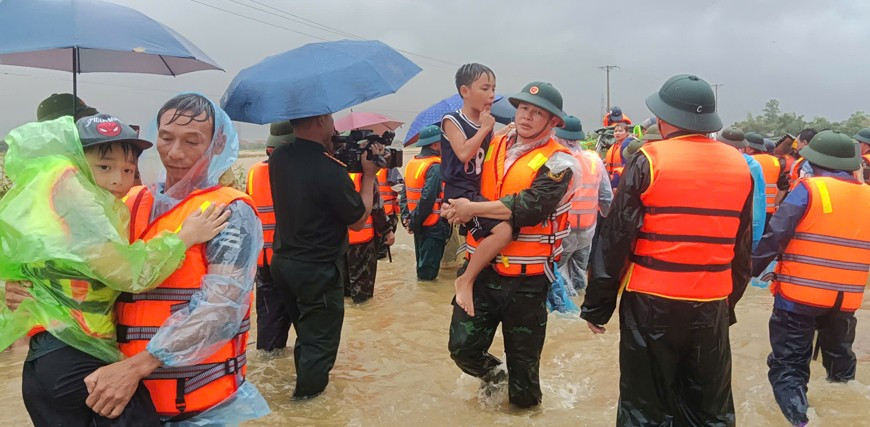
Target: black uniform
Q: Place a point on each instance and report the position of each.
(315, 201)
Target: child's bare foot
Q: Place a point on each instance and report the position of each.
(464, 297)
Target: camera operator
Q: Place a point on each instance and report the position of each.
(315, 204)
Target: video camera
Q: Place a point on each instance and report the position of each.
(352, 147)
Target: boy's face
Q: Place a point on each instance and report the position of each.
(533, 122)
(113, 171)
(181, 143)
(481, 94)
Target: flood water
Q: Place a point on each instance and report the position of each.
(393, 368)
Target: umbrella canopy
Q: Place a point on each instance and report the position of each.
(435, 112)
(503, 111)
(377, 123)
(85, 36)
(315, 79)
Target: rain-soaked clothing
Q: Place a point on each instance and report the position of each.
(362, 259)
(394, 178)
(519, 303)
(429, 241)
(273, 321)
(793, 325)
(216, 310)
(675, 358)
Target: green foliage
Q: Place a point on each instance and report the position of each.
(773, 122)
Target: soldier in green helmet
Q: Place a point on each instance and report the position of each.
(677, 243)
(819, 281)
(527, 175)
(863, 138)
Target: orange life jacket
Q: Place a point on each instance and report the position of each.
(772, 168)
(795, 172)
(368, 231)
(179, 389)
(685, 246)
(415, 178)
(789, 163)
(584, 204)
(829, 254)
(609, 122)
(259, 189)
(538, 246)
(613, 158)
(388, 196)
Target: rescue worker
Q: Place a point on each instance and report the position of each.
(527, 176)
(799, 169)
(315, 203)
(273, 321)
(615, 116)
(818, 284)
(187, 338)
(863, 138)
(775, 174)
(613, 160)
(678, 242)
(420, 202)
(361, 257)
(591, 198)
(737, 139)
(387, 179)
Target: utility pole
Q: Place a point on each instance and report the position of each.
(716, 91)
(607, 69)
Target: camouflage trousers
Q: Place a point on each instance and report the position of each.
(362, 267)
(523, 318)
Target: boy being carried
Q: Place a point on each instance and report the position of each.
(468, 132)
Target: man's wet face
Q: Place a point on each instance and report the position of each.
(182, 142)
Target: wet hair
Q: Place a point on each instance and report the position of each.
(807, 135)
(189, 106)
(468, 73)
(125, 146)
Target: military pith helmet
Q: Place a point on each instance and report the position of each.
(651, 134)
(686, 102)
(572, 130)
(429, 135)
(863, 135)
(733, 137)
(280, 133)
(542, 95)
(63, 104)
(755, 141)
(831, 149)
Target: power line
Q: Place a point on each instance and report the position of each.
(308, 21)
(260, 21)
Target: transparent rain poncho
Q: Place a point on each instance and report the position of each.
(217, 309)
(57, 226)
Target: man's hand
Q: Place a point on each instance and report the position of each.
(16, 293)
(112, 386)
(390, 238)
(457, 211)
(507, 130)
(487, 121)
(596, 329)
(369, 166)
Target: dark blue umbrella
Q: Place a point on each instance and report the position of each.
(315, 79)
(503, 111)
(434, 114)
(85, 36)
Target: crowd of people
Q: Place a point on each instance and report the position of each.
(136, 291)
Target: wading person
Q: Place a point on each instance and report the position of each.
(678, 241)
(818, 284)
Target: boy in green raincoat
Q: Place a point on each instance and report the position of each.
(64, 229)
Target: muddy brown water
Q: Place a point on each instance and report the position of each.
(393, 368)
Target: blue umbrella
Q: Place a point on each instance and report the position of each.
(85, 36)
(503, 111)
(315, 79)
(434, 114)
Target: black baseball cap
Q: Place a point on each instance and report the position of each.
(104, 128)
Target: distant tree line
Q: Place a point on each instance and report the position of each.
(773, 122)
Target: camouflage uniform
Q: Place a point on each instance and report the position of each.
(361, 260)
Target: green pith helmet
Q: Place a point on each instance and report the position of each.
(687, 102)
(733, 137)
(542, 95)
(863, 135)
(652, 134)
(831, 149)
(572, 130)
(755, 141)
(429, 135)
(61, 104)
(280, 133)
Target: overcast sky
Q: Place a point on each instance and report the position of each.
(810, 55)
